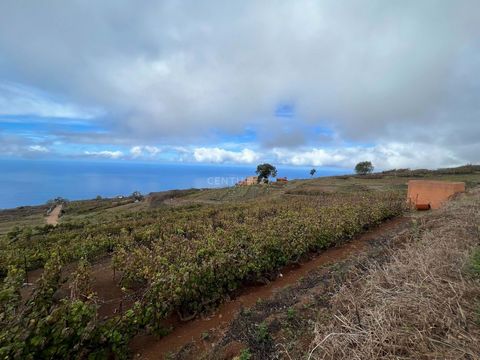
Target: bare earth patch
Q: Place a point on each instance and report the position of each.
(52, 218)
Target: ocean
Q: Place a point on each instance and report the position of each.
(33, 182)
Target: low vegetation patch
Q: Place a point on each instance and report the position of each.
(422, 304)
(185, 260)
(200, 260)
(475, 262)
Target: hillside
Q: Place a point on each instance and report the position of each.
(97, 209)
(123, 273)
(409, 291)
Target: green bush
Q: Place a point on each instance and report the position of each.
(475, 262)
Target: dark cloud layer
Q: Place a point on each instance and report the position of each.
(377, 72)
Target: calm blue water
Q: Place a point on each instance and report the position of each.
(33, 182)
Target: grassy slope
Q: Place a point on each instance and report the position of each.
(104, 209)
(22, 217)
(422, 304)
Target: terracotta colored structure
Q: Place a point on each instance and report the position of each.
(282, 180)
(425, 194)
(249, 180)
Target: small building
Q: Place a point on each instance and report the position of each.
(282, 180)
(249, 180)
(427, 194)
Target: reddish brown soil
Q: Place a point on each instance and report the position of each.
(27, 290)
(151, 347)
(233, 350)
(111, 298)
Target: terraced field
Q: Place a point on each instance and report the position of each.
(115, 268)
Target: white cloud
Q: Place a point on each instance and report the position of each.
(138, 151)
(105, 154)
(38, 148)
(387, 156)
(152, 150)
(316, 157)
(377, 72)
(218, 155)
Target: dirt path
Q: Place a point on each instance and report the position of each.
(151, 347)
(52, 218)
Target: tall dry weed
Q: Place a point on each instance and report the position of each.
(421, 304)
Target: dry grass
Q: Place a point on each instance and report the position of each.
(422, 304)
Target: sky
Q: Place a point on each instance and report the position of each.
(305, 83)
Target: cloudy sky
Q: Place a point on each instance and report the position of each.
(313, 83)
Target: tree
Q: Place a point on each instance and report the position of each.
(264, 171)
(57, 201)
(137, 195)
(364, 167)
(313, 171)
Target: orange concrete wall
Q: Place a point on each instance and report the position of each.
(434, 193)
